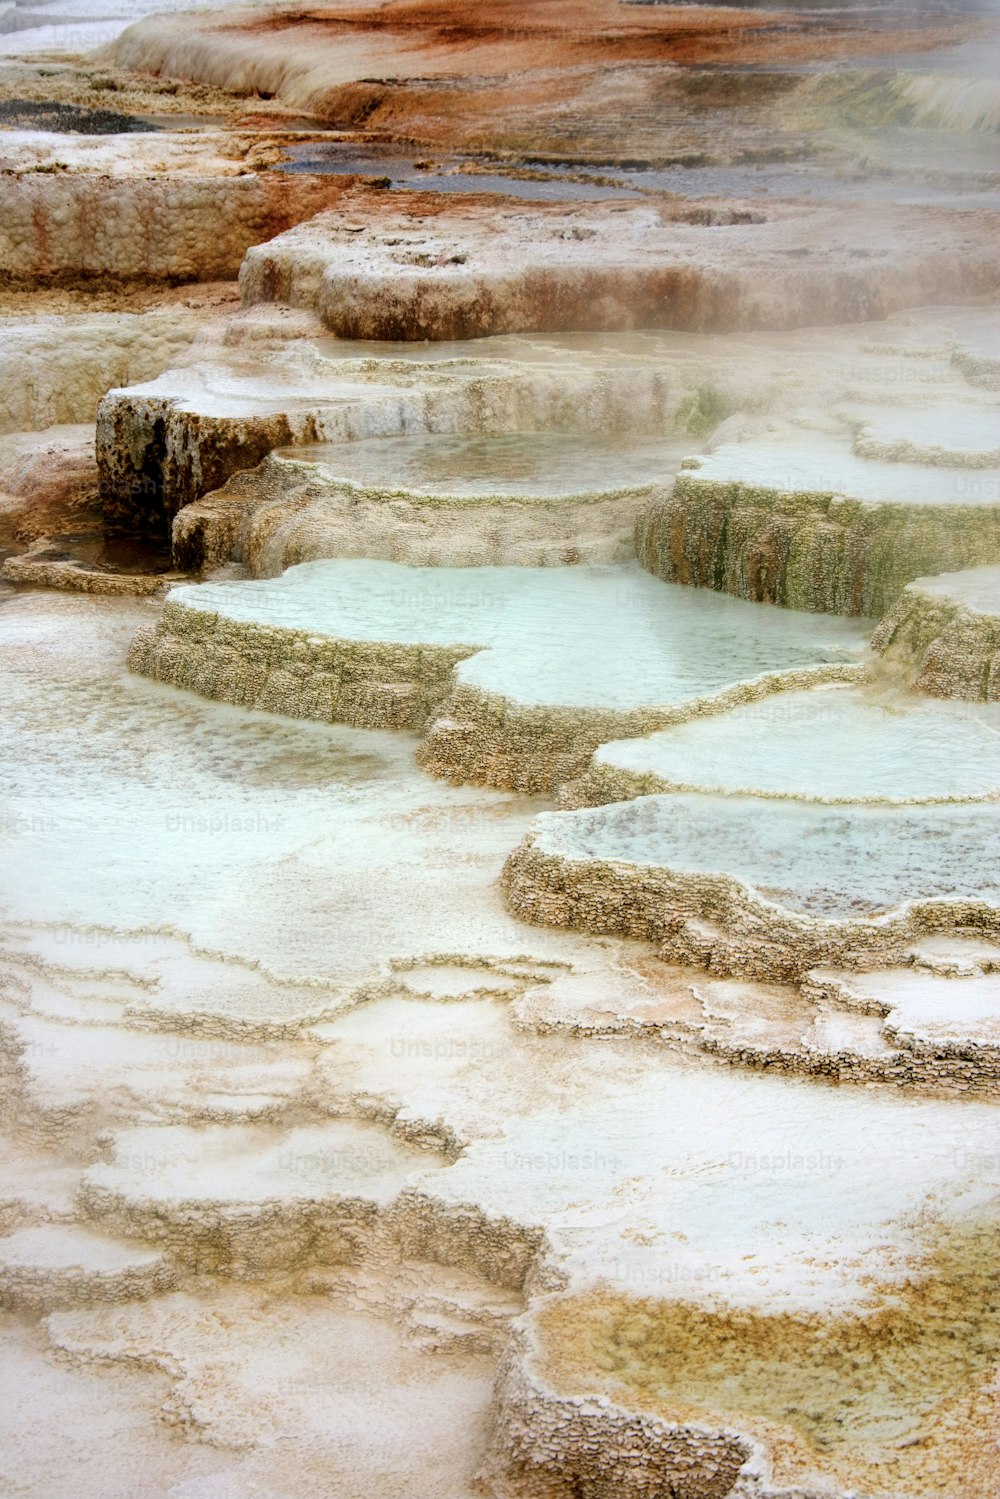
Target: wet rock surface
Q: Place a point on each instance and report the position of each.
(805, 522)
(945, 634)
(515, 674)
(482, 1011)
(439, 501)
(433, 272)
(867, 744)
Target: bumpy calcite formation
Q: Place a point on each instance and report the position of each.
(208, 533)
(294, 509)
(930, 1024)
(490, 739)
(944, 1027)
(343, 1192)
(625, 869)
(38, 571)
(171, 440)
(57, 369)
(269, 371)
(944, 635)
(961, 1065)
(545, 1443)
(979, 363)
(307, 1194)
(440, 272)
(369, 684)
(48, 483)
(53, 1265)
(262, 381)
(944, 435)
(630, 1370)
(963, 1068)
(811, 548)
(477, 737)
(150, 459)
(283, 514)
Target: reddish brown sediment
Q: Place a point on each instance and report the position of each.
(48, 486)
(624, 80)
(563, 34)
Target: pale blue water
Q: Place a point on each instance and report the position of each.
(828, 861)
(610, 636)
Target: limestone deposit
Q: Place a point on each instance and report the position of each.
(499, 771)
(172, 209)
(873, 744)
(439, 272)
(790, 889)
(944, 633)
(269, 377)
(806, 522)
(928, 1023)
(57, 368)
(379, 645)
(431, 501)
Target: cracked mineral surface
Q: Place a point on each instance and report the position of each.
(499, 750)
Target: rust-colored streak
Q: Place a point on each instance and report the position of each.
(560, 34)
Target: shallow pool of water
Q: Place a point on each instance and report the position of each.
(542, 464)
(602, 636)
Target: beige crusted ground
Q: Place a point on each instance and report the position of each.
(388, 1155)
(364, 1134)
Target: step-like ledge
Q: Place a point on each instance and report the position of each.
(537, 499)
(830, 744)
(944, 634)
(750, 887)
(524, 671)
(801, 520)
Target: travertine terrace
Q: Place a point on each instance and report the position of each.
(944, 634)
(539, 500)
(500, 750)
(517, 673)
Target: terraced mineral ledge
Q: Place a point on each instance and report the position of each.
(542, 499)
(781, 888)
(572, 656)
(826, 744)
(805, 521)
(945, 634)
(500, 757)
(440, 273)
(270, 376)
(173, 208)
